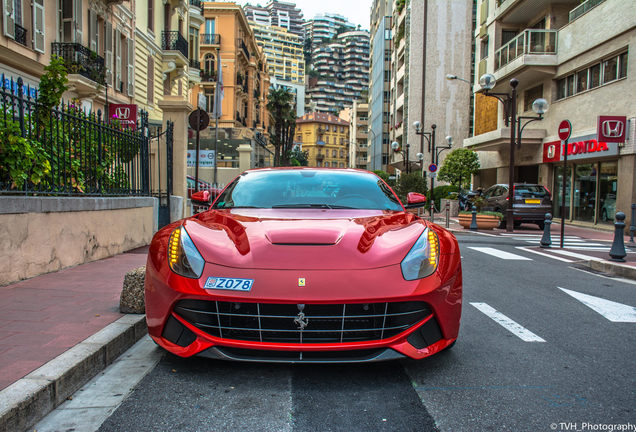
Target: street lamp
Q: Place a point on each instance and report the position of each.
(455, 77)
(509, 101)
(430, 139)
(405, 153)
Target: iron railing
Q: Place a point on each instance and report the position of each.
(243, 47)
(196, 3)
(195, 64)
(208, 76)
(63, 150)
(583, 8)
(211, 39)
(174, 41)
(20, 35)
(530, 41)
(80, 60)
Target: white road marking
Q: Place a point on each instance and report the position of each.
(613, 311)
(485, 234)
(573, 254)
(524, 248)
(510, 325)
(500, 254)
(100, 397)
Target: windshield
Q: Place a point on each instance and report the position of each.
(306, 188)
(530, 190)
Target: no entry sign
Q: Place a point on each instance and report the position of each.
(565, 130)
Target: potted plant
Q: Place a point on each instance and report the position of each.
(485, 219)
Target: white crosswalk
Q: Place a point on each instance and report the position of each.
(500, 254)
(569, 242)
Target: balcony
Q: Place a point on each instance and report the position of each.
(211, 39)
(583, 8)
(80, 60)
(20, 35)
(532, 53)
(208, 76)
(197, 3)
(174, 41)
(243, 48)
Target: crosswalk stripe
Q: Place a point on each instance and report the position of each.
(510, 325)
(572, 254)
(500, 254)
(523, 248)
(613, 311)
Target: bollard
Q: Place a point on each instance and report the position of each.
(447, 214)
(632, 226)
(473, 222)
(546, 240)
(617, 252)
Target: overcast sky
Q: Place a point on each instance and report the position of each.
(357, 11)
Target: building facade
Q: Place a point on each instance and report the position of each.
(95, 39)
(280, 14)
(283, 51)
(359, 133)
(430, 40)
(380, 85)
(227, 37)
(577, 57)
(324, 27)
(326, 139)
(342, 69)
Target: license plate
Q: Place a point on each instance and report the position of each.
(533, 201)
(234, 284)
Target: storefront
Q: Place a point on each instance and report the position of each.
(591, 178)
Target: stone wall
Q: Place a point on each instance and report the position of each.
(41, 235)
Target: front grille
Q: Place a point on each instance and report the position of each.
(323, 323)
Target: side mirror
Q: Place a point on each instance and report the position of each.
(415, 200)
(201, 197)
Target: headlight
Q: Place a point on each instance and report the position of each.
(422, 259)
(183, 256)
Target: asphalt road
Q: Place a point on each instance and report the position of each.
(530, 357)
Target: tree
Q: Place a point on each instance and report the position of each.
(280, 104)
(411, 182)
(458, 166)
(299, 157)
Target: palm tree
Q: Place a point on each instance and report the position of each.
(280, 104)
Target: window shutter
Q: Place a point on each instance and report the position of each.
(78, 18)
(38, 25)
(131, 67)
(108, 52)
(92, 29)
(117, 84)
(9, 18)
(151, 80)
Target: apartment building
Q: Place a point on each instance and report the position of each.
(380, 85)
(280, 14)
(324, 27)
(283, 51)
(326, 139)
(226, 36)
(577, 57)
(95, 39)
(430, 40)
(166, 53)
(342, 69)
(359, 133)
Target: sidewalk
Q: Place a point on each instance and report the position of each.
(43, 317)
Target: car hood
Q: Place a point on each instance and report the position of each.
(304, 239)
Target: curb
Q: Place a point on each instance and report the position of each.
(29, 399)
(615, 268)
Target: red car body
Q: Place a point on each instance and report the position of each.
(348, 260)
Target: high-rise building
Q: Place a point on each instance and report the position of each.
(380, 85)
(278, 13)
(424, 52)
(325, 27)
(340, 72)
(576, 56)
(325, 137)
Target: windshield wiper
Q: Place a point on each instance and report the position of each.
(307, 205)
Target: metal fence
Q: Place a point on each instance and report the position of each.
(65, 151)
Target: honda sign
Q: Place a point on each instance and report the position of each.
(126, 115)
(612, 128)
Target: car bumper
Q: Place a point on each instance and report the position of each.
(441, 292)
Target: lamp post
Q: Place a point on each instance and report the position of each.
(405, 153)
(509, 101)
(430, 139)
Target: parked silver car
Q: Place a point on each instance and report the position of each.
(530, 202)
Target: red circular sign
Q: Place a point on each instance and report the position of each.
(565, 130)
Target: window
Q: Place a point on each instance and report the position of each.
(622, 65)
(151, 15)
(209, 26)
(595, 76)
(299, 138)
(334, 153)
(581, 80)
(483, 49)
(610, 70)
(209, 68)
(531, 95)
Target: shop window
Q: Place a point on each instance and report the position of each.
(557, 189)
(608, 183)
(622, 61)
(584, 192)
(610, 70)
